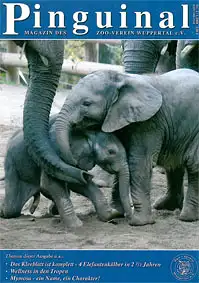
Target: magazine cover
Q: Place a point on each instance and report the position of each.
(99, 141)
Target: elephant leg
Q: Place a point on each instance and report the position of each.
(17, 193)
(52, 208)
(140, 181)
(142, 151)
(174, 196)
(60, 195)
(94, 194)
(140, 192)
(190, 210)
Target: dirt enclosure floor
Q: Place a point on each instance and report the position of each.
(40, 232)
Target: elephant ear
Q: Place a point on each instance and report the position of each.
(135, 100)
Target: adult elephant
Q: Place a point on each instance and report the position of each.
(142, 56)
(156, 117)
(45, 60)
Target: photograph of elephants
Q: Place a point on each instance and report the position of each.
(99, 144)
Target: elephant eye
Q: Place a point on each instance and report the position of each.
(87, 103)
(111, 151)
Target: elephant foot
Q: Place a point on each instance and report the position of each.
(138, 219)
(106, 213)
(189, 214)
(9, 215)
(168, 202)
(5, 213)
(110, 215)
(118, 207)
(72, 222)
(104, 216)
(116, 213)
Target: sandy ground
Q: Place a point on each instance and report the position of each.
(40, 232)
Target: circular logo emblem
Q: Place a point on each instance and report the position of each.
(184, 267)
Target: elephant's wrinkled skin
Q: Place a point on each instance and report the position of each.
(157, 119)
(45, 58)
(187, 54)
(22, 176)
(149, 56)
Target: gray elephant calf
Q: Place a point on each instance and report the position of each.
(22, 176)
(157, 120)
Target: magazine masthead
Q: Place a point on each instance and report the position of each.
(20, 12)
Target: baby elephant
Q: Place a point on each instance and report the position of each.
(24, 179)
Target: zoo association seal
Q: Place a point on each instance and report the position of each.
(184, 267)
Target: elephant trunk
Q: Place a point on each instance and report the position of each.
(141, 56)
(63, 126)
(63, 133)
(124, 189)
(44, 78)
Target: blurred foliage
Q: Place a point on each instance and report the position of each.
(3, 45)
(2, 78)
(2, 73)
(110, 54)
(75, 51)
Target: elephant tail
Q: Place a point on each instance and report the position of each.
(2, 178)
(35, 203)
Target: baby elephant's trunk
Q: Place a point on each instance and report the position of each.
(124, 190)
